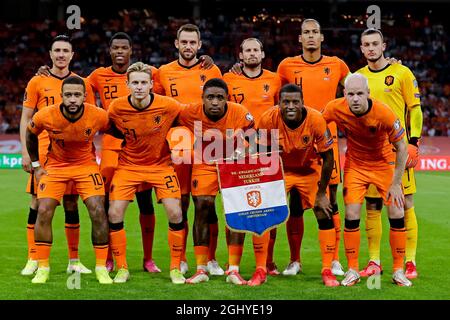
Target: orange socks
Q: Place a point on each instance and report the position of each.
(327, 241)
(273, 237)
(32, 217)
(260, 246)
(73, 239)
(118, 242)
(397, 239)
(147, 222)
(352, 239)
(101, 252)
(176, 240)
(235, 254)
(213, 235)
(337, 227)
(294, 229)
(201, 255)
(186, 232)
(32, 251)
(43, 253)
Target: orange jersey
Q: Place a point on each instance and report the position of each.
(185, 84)
(71, 142)
(206, 131)
(111, 85)
(257, 94)
(300, 146)
(369, 135)
(145, 130)
(42, 91)
(320, 79)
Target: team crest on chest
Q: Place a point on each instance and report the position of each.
(157, 119)
(389, 80)
(266, 87)
(327, 71)
(306, 140)
(87, 132)
(202, 77)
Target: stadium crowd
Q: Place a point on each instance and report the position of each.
(421, 45)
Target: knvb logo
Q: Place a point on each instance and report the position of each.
(254, 198)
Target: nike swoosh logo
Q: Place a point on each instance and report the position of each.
(56, 132)
(107, 80)
(171, 79)
(297, 71)
(236, 88)
(47, 90)
(98, 188)
(406, 187)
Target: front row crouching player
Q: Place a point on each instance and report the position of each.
(307, 155)
(211, 121)
(71, 127)
(370, 127)
(143, 120)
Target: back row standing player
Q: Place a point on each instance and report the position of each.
(256, 89)
(41, 92)
(395, 85)
(319, 76)
(183, 80)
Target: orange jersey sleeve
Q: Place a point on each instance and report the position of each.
(71, 142)
(185, 84)
(145, 130)
(157, 87)
(300, 146)
(368, 135)
(257, 94)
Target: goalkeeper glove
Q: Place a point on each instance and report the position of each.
(413, 153)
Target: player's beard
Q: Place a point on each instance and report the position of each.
(188, 58)
(79, 108)
(253, 64)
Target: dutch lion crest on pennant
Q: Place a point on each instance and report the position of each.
(254, 198)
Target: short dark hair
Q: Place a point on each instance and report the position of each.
(216, 83)
(249, 39)
(372, 31)
(290, 87)
(311, 20)
(121, 35)
(189, 27)
(74, 80)
(61, 37)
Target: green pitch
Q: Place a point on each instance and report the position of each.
(432, 203)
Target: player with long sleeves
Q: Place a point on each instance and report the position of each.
(396, 86)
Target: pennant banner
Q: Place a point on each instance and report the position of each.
(253, 194)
